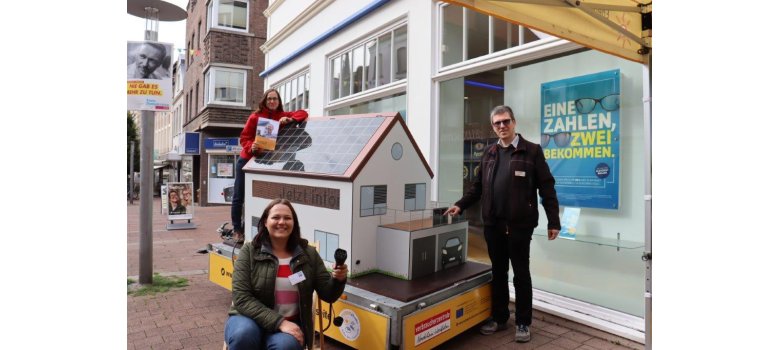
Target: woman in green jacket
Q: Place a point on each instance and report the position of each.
(273, 282)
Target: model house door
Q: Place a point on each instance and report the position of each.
(423, 256)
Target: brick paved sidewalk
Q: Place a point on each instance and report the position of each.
(194, 317)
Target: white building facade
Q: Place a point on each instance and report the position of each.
(443, 68)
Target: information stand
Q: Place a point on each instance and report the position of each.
(382, 312)
(178, 205)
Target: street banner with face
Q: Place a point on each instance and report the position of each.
(149, 82)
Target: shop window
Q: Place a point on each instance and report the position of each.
(452, 35)
(358, 78)
(373, 200)
(222, 166)
(414, 197)
(373, 63)
(477, 26)
(294, 91)
(483, 35)
(383, 59)
(328, 242)
(464, 133)
(399, 47)
(395, 103)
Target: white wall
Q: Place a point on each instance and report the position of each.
(310, 217)
(382, 169)
(420, 50)
(393, 251)
(283, 13)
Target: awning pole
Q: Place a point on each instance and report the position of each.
(647, 255)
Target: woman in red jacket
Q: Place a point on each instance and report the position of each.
(270, 107)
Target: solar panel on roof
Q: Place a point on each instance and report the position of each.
(323, 146)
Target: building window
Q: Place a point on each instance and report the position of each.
(229, 14)
(395, 103)
(378, 61)
(226, 86)
(197, 43)
(328, 242)
(414, 197)
(465, 34)
(197, 99)
(373, 200)
(295, 91)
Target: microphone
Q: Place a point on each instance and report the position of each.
(341, 256)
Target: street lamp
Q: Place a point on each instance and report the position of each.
(153, 11)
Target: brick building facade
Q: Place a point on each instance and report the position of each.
(222, 86)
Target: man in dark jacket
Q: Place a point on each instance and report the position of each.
(510, 174)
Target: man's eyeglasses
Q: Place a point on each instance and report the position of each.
(272, 98)
(561, 139)
(587, 105)
(505, 122)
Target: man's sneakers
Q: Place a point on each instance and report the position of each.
(522, 334)
(491, 327)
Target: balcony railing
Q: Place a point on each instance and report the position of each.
(413, 220)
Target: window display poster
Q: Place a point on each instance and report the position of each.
(580, 136)
(225, 169)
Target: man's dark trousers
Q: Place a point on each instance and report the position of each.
(502, 248)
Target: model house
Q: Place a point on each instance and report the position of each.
(360, 183)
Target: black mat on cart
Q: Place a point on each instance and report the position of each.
(403, 290)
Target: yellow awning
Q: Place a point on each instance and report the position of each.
(618, 27)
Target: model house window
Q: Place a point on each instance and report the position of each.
(375, 62)
(228, 14)
(328, 242)
(373, 200)
(295, 91)
(414, 197)
(226, 86)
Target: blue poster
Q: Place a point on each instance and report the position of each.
(580, 136)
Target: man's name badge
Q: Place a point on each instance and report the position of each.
(297, 277)
(519, 173)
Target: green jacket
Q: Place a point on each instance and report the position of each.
(254, 278)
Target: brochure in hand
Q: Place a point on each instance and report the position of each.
(267, 130)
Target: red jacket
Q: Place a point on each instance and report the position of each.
(250, 129)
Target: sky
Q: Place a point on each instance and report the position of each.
(167, 32)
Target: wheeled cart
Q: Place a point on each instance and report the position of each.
(382, 312)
